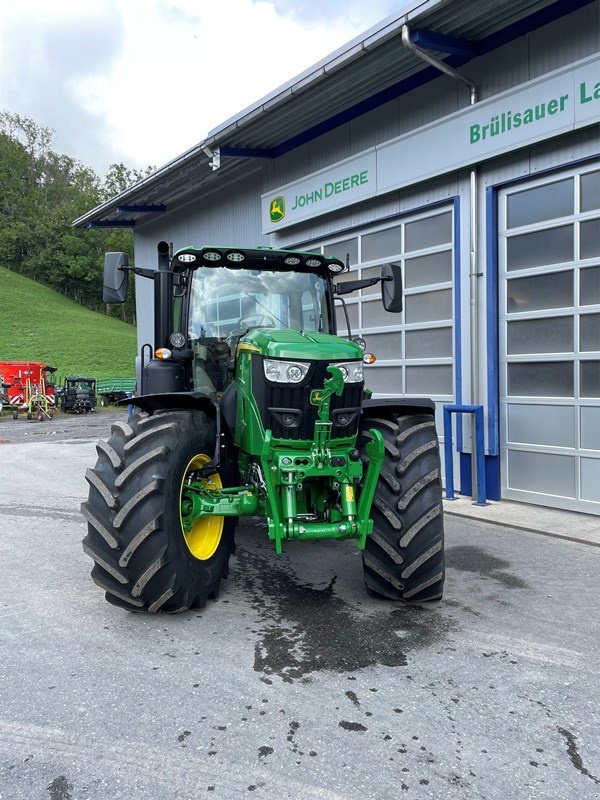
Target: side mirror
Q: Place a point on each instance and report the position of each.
(115, 277)
(391, 287)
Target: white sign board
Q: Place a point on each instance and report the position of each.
(520, 117)
(556, 103)
(341, 185)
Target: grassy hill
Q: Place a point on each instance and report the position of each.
(38, 324)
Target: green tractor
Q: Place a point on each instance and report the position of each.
(250, 405)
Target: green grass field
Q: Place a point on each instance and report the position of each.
(38, 324)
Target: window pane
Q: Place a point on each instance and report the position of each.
(431, 380)
(541, 472)
(375, 316)
(381, 244)
(540, 336)
(590, 238)
(589, 281)
(548, 425)
(590, 378)
(341, 318)
(385, 345)
(428, 232)
(543, 202)
(544, 379)
(339, 250)
(589, 332)
(428, 306)
(387, 380)
(590, 479)
(590, 191)
(554, 290)
(539, 248)
(434, 268)
(229, 309)
(432, 343)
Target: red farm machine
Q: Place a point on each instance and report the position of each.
(27, 386)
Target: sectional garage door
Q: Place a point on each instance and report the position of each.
(414, 349)
(549, 295)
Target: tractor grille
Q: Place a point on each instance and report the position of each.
(278, 401)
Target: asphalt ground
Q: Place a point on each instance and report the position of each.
(295, 683)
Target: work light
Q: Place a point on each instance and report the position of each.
(335, 267)
(291, 261)
(212, 255)
(235, 257)
(313, 262)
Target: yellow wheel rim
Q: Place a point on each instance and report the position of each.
(205, 534)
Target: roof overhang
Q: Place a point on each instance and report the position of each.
(364, 74)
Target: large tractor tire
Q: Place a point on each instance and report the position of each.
(404, 556)
(143, 559)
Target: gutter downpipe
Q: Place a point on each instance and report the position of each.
(474, 275)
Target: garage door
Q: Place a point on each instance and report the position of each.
(414, 349)
(549, 295)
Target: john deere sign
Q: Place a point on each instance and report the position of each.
(556, 103)
(343, 184)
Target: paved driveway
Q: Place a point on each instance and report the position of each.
(294, 684)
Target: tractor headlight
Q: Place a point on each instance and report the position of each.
(285, 371)
(351, 370)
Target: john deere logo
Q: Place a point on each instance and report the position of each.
(277, 209)
(316, 396)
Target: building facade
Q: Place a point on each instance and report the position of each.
(487, 195)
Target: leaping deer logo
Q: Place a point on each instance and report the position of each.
(277, 209)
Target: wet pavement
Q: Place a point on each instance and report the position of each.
(295, 683)
(62, 427)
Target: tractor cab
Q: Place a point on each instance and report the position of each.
(209, 299)
(78, 395)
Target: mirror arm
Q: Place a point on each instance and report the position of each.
(353, 286)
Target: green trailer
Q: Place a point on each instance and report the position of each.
(112, 390)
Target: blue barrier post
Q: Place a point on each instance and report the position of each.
(478, 451)
(129, 406)
(448, 460)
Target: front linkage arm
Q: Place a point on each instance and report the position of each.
(285, 471)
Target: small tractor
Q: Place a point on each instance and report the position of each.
(250, 405)
(27, 386)
(78, 395)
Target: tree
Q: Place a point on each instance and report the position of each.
(41, 193)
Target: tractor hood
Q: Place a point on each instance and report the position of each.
(307, 346)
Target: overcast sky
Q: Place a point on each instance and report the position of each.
(140, 81)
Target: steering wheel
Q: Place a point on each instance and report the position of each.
(244, 324)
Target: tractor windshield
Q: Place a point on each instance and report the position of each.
(225, 303)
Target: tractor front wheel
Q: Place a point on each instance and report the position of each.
(404, 556)
(144, 560)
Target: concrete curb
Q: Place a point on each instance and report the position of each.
(535, 519)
